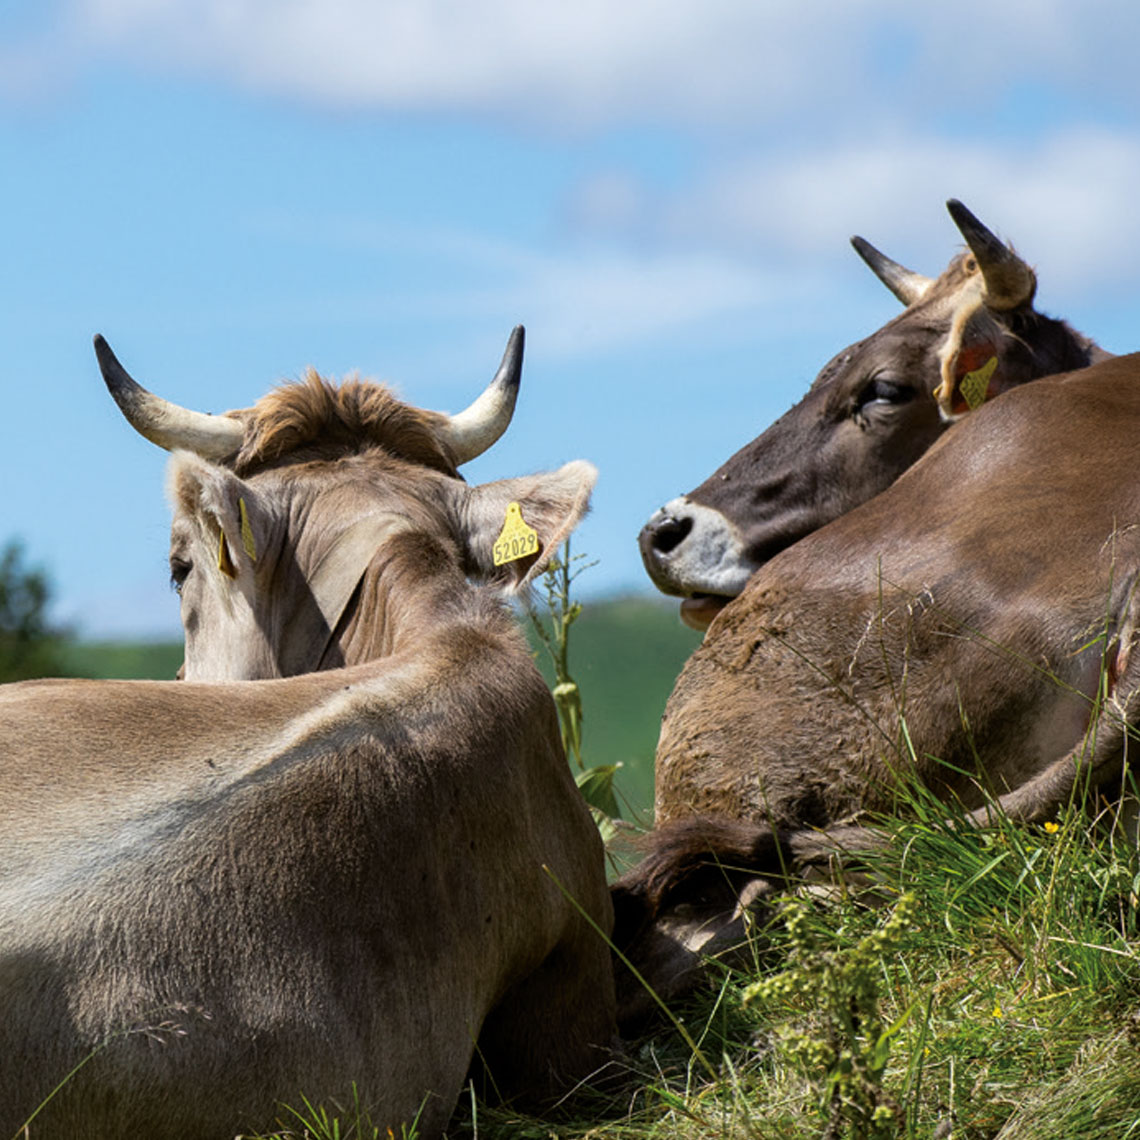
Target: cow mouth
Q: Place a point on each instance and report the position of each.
(698, 610)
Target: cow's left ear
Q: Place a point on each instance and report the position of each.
(972, 361)
(514, 527)
(226, 510)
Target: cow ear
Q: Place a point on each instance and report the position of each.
(226, 511)
(513, 528)
(973, 367)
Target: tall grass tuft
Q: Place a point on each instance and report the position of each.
(982, 982)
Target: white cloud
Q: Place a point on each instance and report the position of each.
(595, 62)
(1066, 202)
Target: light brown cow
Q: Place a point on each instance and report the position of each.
(871, 412)
(222, 896)
(973, 627)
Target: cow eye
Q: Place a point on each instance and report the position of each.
(179, 572)
(879, 391)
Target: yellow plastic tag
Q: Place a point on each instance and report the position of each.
(247, 533)
(225, 562)
(516, 540)
(974, 385)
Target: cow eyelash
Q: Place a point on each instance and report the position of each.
(179, 572)
(885, 391)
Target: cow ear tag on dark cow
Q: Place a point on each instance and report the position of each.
(974, 385)
(966, 380)
(516, 540)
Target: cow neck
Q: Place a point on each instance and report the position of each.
(409, 592)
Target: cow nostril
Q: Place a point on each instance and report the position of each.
(669, 533)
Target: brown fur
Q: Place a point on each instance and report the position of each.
(330, 420)
(232, 896)
(963, 602)
(970, 630)
(841, 444)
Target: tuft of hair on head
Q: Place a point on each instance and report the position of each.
(326, 420)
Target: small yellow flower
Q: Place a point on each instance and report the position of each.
(997, 1010)
(1052, 827)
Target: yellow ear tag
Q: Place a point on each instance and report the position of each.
(225, 562)
(974, 385)
(516, 540)
(247, 533)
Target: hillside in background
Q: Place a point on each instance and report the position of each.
(625, 654)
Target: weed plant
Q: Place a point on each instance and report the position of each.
(982, 982)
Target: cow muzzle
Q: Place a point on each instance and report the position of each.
(695, 553)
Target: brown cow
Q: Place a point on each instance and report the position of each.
(972, 627)
(872, 411)
(216, 897)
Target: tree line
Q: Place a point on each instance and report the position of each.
(30, 645)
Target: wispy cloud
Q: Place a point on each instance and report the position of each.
(728, 62)
(1066, 201)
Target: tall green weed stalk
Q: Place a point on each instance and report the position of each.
(844, 1050)
(553, 629)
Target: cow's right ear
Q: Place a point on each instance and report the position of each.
(513, 528)
(224, 510)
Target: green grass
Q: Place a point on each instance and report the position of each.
(144, 660)
(1005, 1004)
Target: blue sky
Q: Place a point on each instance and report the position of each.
(662, 192)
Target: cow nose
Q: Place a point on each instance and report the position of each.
(664, 533)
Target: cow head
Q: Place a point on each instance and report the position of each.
(871, 412)
(327, 525)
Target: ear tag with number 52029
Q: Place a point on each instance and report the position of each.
(516, 539)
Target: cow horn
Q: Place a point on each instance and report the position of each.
(1009, 281)
(472, 431)
(907, 286)
(168, 425)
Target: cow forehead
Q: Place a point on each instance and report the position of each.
(315, 419)
(906, 340)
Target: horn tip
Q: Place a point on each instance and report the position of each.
(510, 371)
(109, 365)
(960, 213)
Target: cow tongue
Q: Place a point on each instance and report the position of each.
(698, 611)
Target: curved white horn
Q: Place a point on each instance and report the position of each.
(168, 425)
(907, 286)
(472, 431)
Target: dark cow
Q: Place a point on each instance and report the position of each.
(973, 627)
(217, 897)
(871, 412)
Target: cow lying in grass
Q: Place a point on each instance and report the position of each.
(217, 897)
(972, 628)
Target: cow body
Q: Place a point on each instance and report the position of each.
(972, 629)
(217, 898)
(981, 604)
(871, 412)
